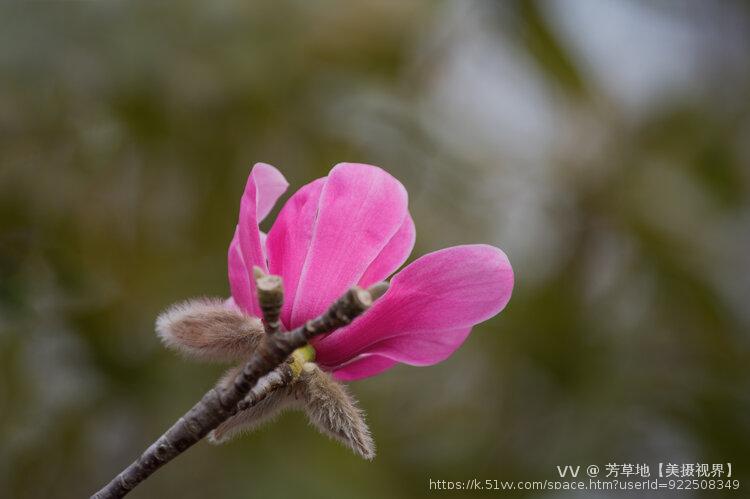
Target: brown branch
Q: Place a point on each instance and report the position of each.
(281, 376)
(270, 297)
(220, 403)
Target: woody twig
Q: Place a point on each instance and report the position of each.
(223, 401)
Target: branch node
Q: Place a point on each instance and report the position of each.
(270, 297)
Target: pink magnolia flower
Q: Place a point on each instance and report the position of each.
(350, 228)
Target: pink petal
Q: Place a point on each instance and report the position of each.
(270, 184)
(428, 311)
(363, 366)
(289, 240)
(264, 186)
(361, 208)
(263, 238)
(239, 284)
(393, 255)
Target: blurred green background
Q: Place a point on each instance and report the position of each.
(604, 145)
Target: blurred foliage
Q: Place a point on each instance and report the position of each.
(126, 134)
